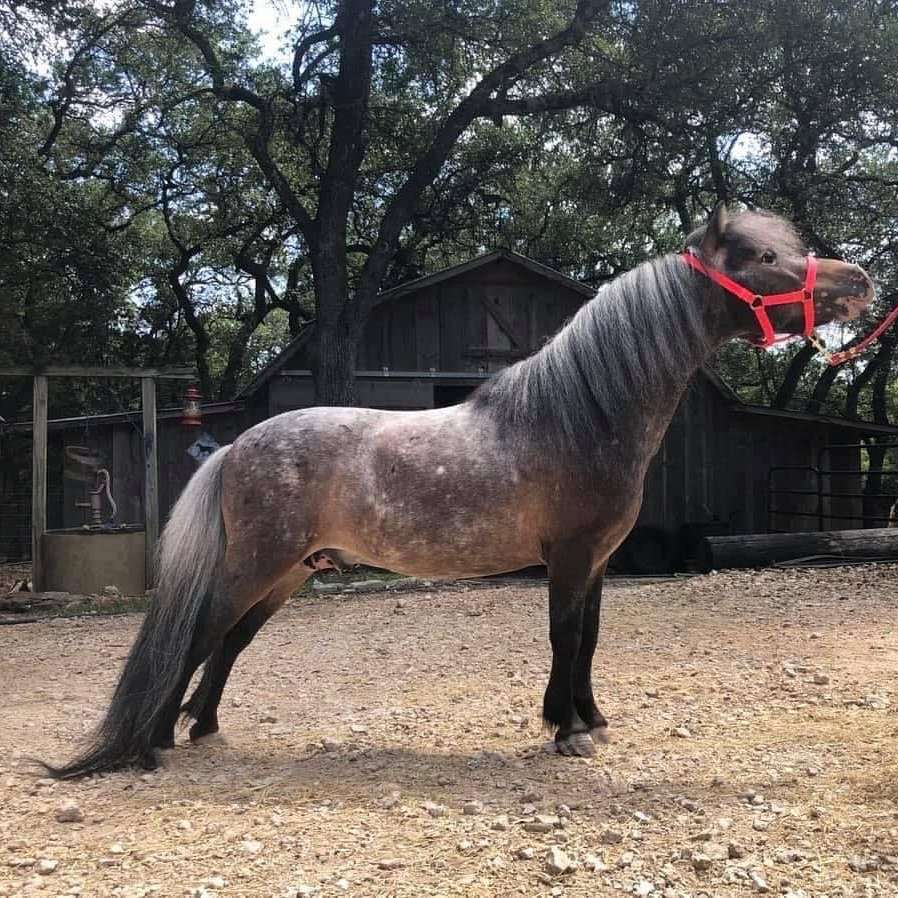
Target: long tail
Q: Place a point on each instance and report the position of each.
(190, 550)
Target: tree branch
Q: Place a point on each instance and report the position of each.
(61, 106)
(477, 103)
(300, 75)
(257, 143)
(790, 381)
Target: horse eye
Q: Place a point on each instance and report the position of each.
(769, 257)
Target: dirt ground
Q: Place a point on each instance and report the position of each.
(390, 745)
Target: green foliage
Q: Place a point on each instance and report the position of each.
(141, 223)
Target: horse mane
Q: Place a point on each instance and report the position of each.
(624, 348)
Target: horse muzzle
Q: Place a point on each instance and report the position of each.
(845, 288)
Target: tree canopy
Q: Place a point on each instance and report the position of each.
(174, 192)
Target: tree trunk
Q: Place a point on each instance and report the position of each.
(227, 389)
(333, 364)
(194, 322)
(296, 314)
(821, 390)
(853, 395)
(796, 368)
(763, 379)
(827, 379)
(881, 382)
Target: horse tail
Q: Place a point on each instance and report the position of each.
(190, 550)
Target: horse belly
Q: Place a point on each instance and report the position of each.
(449, 536)
(425, 493)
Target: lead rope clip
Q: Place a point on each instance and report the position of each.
(817, 342)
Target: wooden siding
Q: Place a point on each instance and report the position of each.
(715, 465)
(480, 320)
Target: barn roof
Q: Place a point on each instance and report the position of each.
(834, 420)
(454, 271)
(280, 361)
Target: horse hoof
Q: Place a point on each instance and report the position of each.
(149, 761)
(576, 745)
(600, 735)
(202, 731)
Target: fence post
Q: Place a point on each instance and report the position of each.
(38, 480)
(150, 474)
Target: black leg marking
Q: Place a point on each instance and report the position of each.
(203, 704)
(584, 700)
(569, 576)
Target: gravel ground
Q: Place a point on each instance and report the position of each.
(390, 745)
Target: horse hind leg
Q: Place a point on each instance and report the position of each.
(202, 706)
(245, 581)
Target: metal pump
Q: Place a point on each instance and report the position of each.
(95, 504)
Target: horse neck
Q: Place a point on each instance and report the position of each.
(604, 389)
(659, 336)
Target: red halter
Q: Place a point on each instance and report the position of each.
(758, 303)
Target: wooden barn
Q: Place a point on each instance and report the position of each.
(724, 467)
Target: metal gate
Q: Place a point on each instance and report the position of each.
(835, 496)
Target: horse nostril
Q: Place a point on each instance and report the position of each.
(860, 284)
(864, 278)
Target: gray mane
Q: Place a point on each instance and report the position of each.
(642, 333)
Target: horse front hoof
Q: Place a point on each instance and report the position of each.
(600, 735)
(576, 745)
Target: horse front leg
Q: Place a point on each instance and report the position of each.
(584, 700)
(570, 578)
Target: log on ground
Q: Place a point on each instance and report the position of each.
(761, 550)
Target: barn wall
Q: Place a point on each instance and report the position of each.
(780, 442)
(289, 393)
(681, 480)
(482, 319)
(841, 466)
(715, 461)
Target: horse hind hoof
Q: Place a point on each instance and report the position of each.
(149, 760)
(576, 745)
(201, 731)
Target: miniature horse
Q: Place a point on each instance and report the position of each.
(543, 464)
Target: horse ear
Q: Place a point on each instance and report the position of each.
(714, 231)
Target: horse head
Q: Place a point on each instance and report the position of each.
(771, 284)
